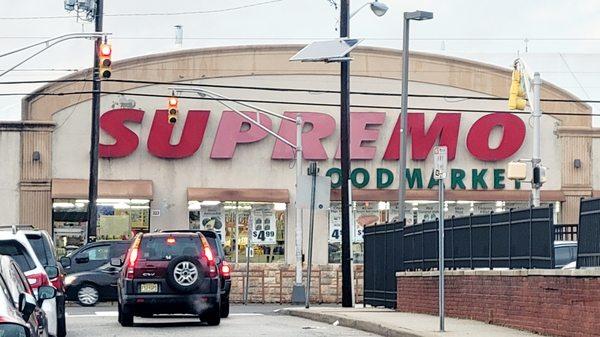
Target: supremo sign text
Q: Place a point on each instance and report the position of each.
(365, 128)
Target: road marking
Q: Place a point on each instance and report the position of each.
(115, 314)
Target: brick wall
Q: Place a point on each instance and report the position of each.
(273, 282)
(553, 302)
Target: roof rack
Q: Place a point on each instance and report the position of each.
(15, 228)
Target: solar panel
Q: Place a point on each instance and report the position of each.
(326, 51)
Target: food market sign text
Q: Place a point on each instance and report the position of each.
(233, 130)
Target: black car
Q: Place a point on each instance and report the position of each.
(90, 276)
(20, 312)
(169, 273)
(224, 267)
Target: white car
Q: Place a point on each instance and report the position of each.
(14, 243)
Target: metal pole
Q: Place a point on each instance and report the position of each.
(403, 121)
(441, 255)
(313, 172)
(237, 232)
(95, 133)
(248, 248)
(536, 113)
(298, 290)
(345, 159)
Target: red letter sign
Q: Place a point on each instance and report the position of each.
(444, 128)
(231, 131)
(159, 140)
(513, 134)
(323, 126)
(359, 133)
(126, 141)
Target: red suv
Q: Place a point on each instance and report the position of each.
(169, 273)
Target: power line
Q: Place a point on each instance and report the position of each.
(300, 103)
(319, 91)
(147, 14)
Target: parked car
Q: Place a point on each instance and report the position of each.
(90, 276)
(169, 273)
(223, 266)
(15, 243)
(565, 252)
(20, 312)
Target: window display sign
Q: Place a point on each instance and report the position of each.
(365, 214)
(264, 228)
(114, 227)
(212, 218)
(335, 224)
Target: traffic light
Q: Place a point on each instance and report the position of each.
(516, 100)
(539, 175)
(173, 110)
(105, 63)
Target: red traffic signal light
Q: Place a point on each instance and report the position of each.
(104, 60)
(173, 110)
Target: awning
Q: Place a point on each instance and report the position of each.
(239, 194)
(126, 189)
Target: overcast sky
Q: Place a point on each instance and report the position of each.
(560, 39)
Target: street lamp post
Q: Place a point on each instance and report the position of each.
(419, 16)
(298, 288)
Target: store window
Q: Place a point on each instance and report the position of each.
(117, 219)
(368, 213)
(260, 226)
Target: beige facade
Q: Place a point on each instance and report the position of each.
(172, 183)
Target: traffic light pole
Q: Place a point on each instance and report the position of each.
(95, 133)
(345, 160)
(536, 114)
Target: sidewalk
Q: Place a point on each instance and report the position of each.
(390, 323)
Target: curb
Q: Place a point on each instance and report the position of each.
(349, 323)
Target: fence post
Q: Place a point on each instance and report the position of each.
(422, 245)
(530, 233)
(509, 238)
(471, 239)
(452, 243)
(490, 241)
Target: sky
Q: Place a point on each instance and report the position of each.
(559, 39)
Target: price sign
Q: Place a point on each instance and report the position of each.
(440, 162)
(335, 224)
(264, 229)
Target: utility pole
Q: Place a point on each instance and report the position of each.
(345, 159)
(95, 133)
(536, 114)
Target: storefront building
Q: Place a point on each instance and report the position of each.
(214, 170)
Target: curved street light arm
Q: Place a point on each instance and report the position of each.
(60, 39)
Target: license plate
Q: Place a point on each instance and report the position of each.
(149, 288)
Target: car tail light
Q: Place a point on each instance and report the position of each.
(132, 257)
(212, 267)
(226, 270)
(171, 241)
(38, 280)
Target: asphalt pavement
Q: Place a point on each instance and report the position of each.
(251, 320)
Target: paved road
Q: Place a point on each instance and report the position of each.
(253, 320)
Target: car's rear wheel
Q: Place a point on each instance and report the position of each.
(88, 295)
(125, 316)
(224, 307)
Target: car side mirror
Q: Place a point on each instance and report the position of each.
(51, 271)
(45, 293)
(26, 305)
(65, 262)
(116, 262)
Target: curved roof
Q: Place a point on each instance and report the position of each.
(193, 64)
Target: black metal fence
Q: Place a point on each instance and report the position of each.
(565, 232)
(588, 243)
(513, 239)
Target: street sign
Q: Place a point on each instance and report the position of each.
(440, 162)
(322, 193)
